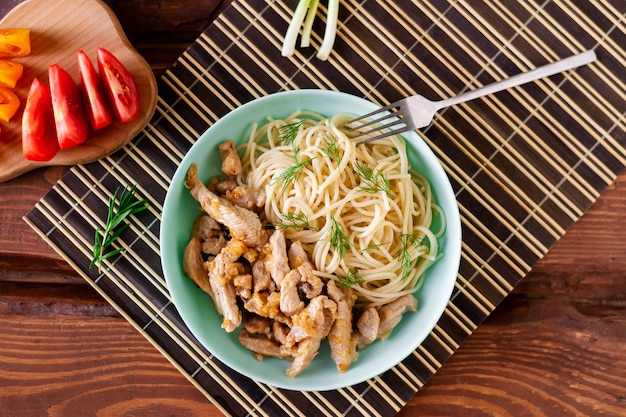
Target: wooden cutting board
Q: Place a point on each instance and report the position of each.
(58, 30)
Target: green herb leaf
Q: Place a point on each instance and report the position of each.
(404, 254)
(352, 278)
(332, 150)
(338, 239)
(293, 220)
(373, 181)
(117, 213)
(375, 246)
(287, 133)
(291, 174)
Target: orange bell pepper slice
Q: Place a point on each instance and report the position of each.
(9, 103)
(14, 42)
(10, 72)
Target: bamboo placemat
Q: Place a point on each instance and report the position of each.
(525, 164)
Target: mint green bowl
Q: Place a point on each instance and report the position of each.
(196, 308)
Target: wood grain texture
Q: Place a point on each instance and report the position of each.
(513, 365)
(518, 364)
(57, 32)
(88, 367)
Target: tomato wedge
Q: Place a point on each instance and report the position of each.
(14, 42)
(120, 86)
(39, 141)
(10, 72)
(69, 117)
(9, 103)
(91, 85)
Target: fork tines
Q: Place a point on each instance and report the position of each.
(394, 124)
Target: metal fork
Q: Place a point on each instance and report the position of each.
(415, 112)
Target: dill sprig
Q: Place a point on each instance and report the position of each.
(291, 174)
(352, 278)
(338, 239)
(404, 255)
(287, 135)
(294, 220)
(114, 227)
(332, 150)
(373, 181)
(374, 246)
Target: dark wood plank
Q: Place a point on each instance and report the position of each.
(95, 363)
(89, 366)
(534, 358)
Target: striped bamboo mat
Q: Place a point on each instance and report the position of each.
(525, 164)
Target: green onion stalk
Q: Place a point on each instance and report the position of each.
(303, 17)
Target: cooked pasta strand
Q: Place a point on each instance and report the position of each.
(376, 214)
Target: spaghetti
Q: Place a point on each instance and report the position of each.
(360, 211)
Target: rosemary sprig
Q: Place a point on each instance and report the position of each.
(331, 149)
(294, 220)
(373, 181)
(352, 278)
(338, 239)
(404, 255)
(104, 238)
(291, 174)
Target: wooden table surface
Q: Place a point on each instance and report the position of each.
(554, 347)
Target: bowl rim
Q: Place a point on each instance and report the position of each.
(452, 254)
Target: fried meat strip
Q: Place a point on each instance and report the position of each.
(262, 346)
(310, 284)
(248, 198)
(309, 328)
(290, 302)
(222, 272)
(210, 233)
(391, 314)
(243, 224)
(367, 326)
(341, 339)
(261, 278)
(231, 164)
(275, 257)
(264, 304)
(194, 267)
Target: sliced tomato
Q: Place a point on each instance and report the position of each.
(14, 42)
(69, 116)
(120, 86)
(9, 103)
(39, 141)
(97, 105)
(10, 72)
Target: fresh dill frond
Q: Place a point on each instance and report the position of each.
(332, 150)
(117, 213)
(352, 278)
(291, 174)
(338, 239)
(373, 181)
(372, 247)
(294, 220)
(404, 255)
(287, 135)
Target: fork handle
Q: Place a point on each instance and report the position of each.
(522, 78)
